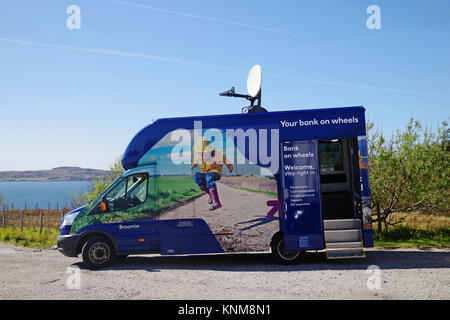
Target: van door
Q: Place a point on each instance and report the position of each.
(300, 178)
(127, 207)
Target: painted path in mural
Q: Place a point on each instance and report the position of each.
(243, 216)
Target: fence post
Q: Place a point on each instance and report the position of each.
(24, 212)
(4, 216)
(40, 222)
(21, 220)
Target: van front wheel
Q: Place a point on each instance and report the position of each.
(97, 253)
(280, 254)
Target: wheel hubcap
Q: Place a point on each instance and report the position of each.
(99, 253)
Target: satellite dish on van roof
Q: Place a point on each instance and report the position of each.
(254, 80)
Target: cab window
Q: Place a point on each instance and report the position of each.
(127, 193)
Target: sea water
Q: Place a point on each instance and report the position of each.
(40, 193)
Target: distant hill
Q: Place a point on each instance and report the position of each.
(55, 174)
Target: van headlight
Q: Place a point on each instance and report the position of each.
(68, 218)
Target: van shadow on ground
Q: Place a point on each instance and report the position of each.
(254, 262)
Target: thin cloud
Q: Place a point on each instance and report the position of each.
(119, 53)
(184, 14)
(358, 86)
(212, 66)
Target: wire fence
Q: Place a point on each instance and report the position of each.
(32, 218)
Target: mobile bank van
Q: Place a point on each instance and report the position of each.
(288, 182)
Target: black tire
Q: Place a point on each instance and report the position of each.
(280, 255)
(98, 252)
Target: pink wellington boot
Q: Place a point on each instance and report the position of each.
(205, 189)
(215, 196)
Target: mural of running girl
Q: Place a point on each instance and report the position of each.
(211, 161)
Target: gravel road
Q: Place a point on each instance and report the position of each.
(404, 274)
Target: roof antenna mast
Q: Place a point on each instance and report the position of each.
(254, 80)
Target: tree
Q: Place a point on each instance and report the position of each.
(408, 171)
(97, 186)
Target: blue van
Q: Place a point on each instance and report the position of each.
(287, 182)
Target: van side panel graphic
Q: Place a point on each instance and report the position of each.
(301, 193)
(187, 236)
(293, 125)
(203, 184)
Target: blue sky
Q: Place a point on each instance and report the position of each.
(77, 97)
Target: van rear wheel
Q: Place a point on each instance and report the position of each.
(280, 254)
(97, 252)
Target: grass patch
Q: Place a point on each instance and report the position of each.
(418, 219)
(29, 237)
(176, 184)
(411, 244)
(411, 237)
